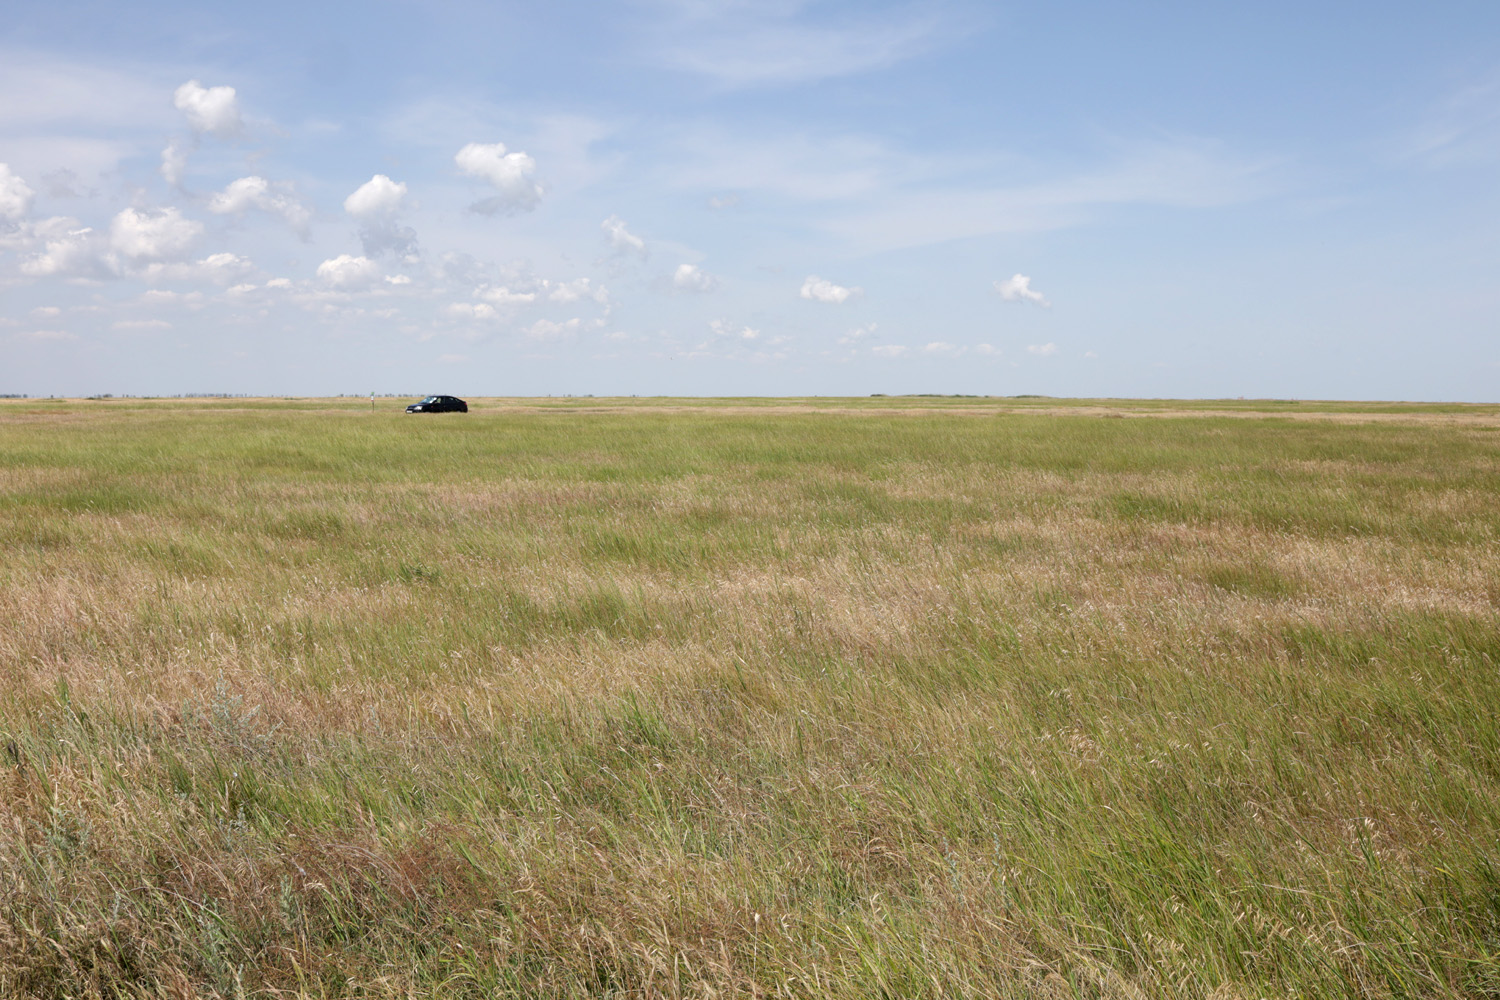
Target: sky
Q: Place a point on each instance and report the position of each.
(722, 197)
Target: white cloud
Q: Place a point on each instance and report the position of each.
(721, 328)
(857, 334)
(943, 349)
(1041, 350)
(255, 192)
(141, 324)
(378, 196)
(622, 241)
(15, 195)
(988, 350)
(888, 350)
(376, 203)
(68, 250)
(578, 288)
(218, 269)
(239, 196)
(398, 279)
(689, 278)
(208, 109)
(1018, 289)
(48, 335)
(174, 162)
(1091, 355)
(153, 236)
(546, 329)
(509, 173)
(279, 283)
(46, 312)
(724, 201)
(348, 272)
(471, 310)
(819, 289)
(502, 296)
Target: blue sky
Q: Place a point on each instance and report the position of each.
(720, 197)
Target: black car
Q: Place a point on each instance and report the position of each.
(439, 404)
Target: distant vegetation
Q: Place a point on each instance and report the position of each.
(887, 697)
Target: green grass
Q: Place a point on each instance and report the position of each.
(901, 696)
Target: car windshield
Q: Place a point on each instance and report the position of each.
(430, 399)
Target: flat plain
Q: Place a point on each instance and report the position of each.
(886, 697)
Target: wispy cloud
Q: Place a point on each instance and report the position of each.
(39, 91)
(1463, 127)
(771, 44)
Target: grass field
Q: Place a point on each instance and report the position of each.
(906, 697)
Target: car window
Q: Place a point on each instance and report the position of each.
(430, 399)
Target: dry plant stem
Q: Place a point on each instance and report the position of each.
(907, 698)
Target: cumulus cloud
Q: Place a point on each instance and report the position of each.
(622, 242)
(68, 250)
(153, 236)
(943, 349)
(15, 195)
(818, 289)
(723, 201)
(689, 278)
(141, 324)
(471, 310)
(218, 269)
(722, 328)
(255, 192)
(1018, 289)
(348, 273)
(888, 350)
(501, 296)
(857, 334)
(208, 109)
(375, 203)
(378, 196)
(1041, 350)
(578, 288)
(988, 350)
(240, 195)
(509, 173)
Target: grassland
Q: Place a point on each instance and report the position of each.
(908, 697)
